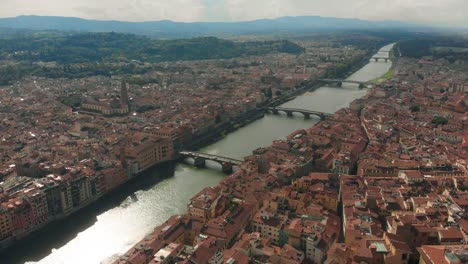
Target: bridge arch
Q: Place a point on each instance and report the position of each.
(199, 158)
(290, 111)
(340, 82)
(377, 59)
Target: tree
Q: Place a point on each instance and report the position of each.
(269, 93)
(218, 119)
(414, 108)
(416, 48)
(438, 120)
(9, 74)
(86, 54)
(146, 108)
(283, 238)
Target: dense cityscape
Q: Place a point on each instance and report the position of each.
(406, 201)
(57, 160)
(381, 180)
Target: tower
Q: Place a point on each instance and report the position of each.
(124, 96)
(123, 159)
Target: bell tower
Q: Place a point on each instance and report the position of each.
(124, 96)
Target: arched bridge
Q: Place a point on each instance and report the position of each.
(376, 59)
(339, 82)
(290, 111)
(201, 158)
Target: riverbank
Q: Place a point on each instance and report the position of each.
(67, 228)
(389, 74)
(142, 180)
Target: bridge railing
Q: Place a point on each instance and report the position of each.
(343, 81)
(193, 154)
(297, 110)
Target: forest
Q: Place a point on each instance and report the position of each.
(71, 55)
(452, 49)
(114, 47)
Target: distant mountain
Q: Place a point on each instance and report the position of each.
(170, 29)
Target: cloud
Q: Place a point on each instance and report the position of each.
(128, 10)
(215, 10)
(427, 11)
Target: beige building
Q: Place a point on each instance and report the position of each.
(147, 152)
(204, 205)
(268, 223)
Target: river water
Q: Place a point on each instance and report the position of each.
(109, 228)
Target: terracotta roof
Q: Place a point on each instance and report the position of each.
(437, 254)
(450, 234)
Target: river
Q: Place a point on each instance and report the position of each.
(100, 233)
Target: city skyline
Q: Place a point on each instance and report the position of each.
(431, 12)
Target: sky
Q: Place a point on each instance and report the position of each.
(435, 12)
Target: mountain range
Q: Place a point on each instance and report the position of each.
(171, 29)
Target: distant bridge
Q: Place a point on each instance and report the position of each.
(339, 82)
(200, 159)
(290, 111)
(376, 59)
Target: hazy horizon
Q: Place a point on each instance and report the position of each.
(430, 12)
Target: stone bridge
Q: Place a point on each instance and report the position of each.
(200, 159)
(376, 59)
(290, 111)
(340, 82)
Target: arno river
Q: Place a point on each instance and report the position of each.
(110, 227)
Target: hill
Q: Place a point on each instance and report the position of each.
(171, 29)
(117, 47)
(60, 54)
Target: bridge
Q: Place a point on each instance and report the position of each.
(380, 58)
(339, 82)
(290, 111)
(200, 159)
